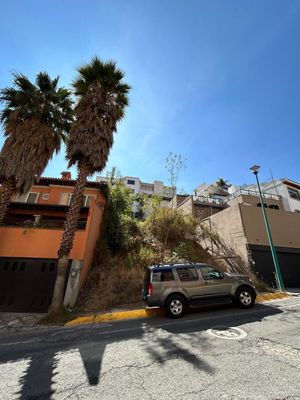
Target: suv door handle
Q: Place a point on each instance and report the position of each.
(205, 282)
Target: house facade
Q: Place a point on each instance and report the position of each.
(240, 227)
(287, 189)
(30, 239)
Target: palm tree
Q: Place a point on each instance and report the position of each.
(222, 183)
(36, 117)
(103, 97)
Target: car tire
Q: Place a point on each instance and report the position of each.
(245, 297)
(176, 306)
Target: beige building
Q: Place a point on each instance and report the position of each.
(241, 228)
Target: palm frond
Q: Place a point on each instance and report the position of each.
(36, 119)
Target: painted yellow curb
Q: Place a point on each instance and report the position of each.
(271, 296)
(81, 320)
(153, 312)
(131, 314)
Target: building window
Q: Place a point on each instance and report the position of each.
(130, 182)
(274, 206)
(259, 205)
(66, 199)
(87, 200)
(294, 194)
(30, 197)
(45, 196)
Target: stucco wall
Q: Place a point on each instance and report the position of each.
(37, 243)
(93, 230)
(228, 224)
(285, 227)
(254, 200)
(33, 242)
(186, 206)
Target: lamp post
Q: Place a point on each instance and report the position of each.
(255, 170)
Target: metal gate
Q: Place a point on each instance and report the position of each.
(289, 262)
(26, 284)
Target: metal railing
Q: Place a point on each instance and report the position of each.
(246, 192)
(208, 200)
(43, 223)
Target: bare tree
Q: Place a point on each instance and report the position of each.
(175, 163)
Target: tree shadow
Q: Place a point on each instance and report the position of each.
(162, 339)
(162, 349)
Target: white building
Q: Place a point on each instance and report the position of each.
(137, 186)
(286, 188)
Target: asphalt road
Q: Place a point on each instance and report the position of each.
(197, 357)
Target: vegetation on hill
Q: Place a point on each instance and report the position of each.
(127, 245)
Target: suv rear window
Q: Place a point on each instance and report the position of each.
(187, 274)
(163, 275)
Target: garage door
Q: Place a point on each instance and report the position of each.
(289, 262)
(26, 285)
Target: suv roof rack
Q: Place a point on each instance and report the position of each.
(173, 264)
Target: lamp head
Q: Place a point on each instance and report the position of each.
(255, 169)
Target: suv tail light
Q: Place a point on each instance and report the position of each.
(149, 289)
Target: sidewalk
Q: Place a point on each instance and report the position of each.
(14, 322)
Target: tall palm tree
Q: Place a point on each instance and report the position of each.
(36, 118)
(102, 99)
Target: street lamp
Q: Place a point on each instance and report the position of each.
(255, 170)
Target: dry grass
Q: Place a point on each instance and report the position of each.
(112, 285)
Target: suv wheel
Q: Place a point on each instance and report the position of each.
(245, 297)
(176, 306)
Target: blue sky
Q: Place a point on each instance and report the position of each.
(216, 81)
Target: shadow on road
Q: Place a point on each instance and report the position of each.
(158, 340)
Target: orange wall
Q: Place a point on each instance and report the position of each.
(44, 243)
(93, 230)
(37, 243)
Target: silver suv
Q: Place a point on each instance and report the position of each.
(177, 286)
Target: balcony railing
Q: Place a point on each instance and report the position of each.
(42, 223)
(246, 192)
(208, 200)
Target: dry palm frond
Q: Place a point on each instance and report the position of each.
(26, 153)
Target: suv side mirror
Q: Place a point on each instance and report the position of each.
(221, 275)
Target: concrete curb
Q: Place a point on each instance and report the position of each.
(151, 312)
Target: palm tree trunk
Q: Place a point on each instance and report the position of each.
(7, 191)
(67, 239)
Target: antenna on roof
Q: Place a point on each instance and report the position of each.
(275, 187)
